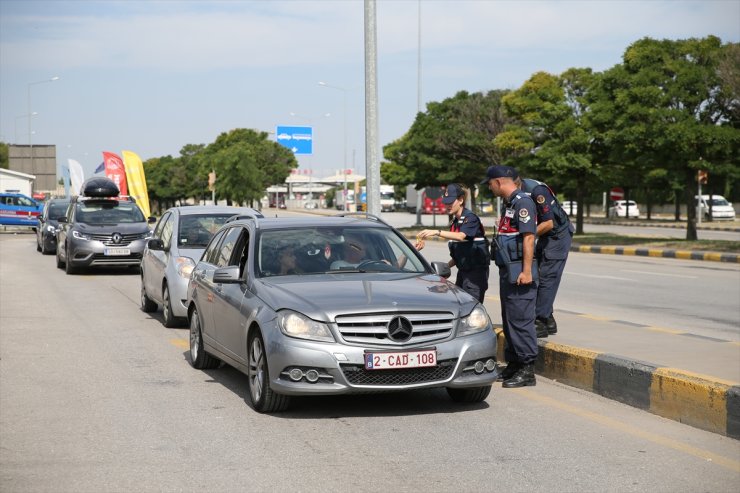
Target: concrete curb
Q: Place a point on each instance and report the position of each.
(658, 252)
(701, 401)
(674, 225)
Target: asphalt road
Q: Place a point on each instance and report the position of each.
(96, 396)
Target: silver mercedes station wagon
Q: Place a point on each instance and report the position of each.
(333, 305)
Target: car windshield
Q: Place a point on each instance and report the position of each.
(97, 213)
(57, 209)
(721, 201)
(195, 231)
(318, 250)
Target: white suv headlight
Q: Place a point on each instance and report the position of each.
(477, 321)
(295, 324)
(50, 228)
(80, 236)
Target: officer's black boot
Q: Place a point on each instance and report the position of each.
(509, 371)
(540, 325)
(524, 377)
(552, 325)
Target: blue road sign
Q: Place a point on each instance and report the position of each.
(297, 139)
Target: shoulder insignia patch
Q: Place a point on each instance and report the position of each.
(523, 213)
(540, 199)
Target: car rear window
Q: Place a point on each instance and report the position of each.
(195, 231)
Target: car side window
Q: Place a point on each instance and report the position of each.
(211, 252)
(158, 229)
(241, 253)
(227, 247)
(167, 232)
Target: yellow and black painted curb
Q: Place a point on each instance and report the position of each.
(698, 400)
(658, 252)
(657, 224)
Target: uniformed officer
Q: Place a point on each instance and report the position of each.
(554, 234)
(514, 255)
(467, 243)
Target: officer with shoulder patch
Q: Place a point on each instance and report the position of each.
(554, 234)
(514, 255)
(466, 241)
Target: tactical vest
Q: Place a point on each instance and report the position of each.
(560, 217)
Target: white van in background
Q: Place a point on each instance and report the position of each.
(721, 208)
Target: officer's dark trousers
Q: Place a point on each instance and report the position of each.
(474, 282)
(518, 312)
(550, 273)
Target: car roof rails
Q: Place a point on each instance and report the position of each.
(239, 217)
(362, 215)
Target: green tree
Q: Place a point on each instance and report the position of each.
(4, 161)
(246, 163)
(667, 106)
(451, 142)
(551, 139)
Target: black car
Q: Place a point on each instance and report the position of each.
(46, 232)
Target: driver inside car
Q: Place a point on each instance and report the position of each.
(353, 252)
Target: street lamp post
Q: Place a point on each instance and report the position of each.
(344, 111)
(30, 114)
(16, 123)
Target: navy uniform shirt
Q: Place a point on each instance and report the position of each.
(519, 215)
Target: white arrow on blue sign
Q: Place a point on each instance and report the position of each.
(297, 139)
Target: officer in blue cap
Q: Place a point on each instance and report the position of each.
(514, 255)
(554, 234)
(467, 243)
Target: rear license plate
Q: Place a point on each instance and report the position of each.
(117, 251)
(392, 361)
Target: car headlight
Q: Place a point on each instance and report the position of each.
(50, 228)
(148, 234)
(80, 236)
(294, 324)
(477, 321)
(185, 266)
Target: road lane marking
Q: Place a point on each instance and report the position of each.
(600, 276)
(659, 274)
(612, 423)
(181, 343)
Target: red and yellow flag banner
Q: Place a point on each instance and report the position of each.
(136, 180)
(115, 170)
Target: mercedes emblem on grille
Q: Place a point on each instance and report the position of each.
(116, 238)
(400, 329)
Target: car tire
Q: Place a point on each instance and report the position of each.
(68, 267)
(170, 320)
(469, 395)
(199, 358)
(263, 398)
(147, 305)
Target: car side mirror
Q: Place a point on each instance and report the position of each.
(155, 244)
(62, 219)
(151, 220)
(227, 275)
(441, 269)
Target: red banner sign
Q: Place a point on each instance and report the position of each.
(115, 170)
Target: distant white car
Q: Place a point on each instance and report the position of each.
(619, 209)
(721, 208)
(570, 207)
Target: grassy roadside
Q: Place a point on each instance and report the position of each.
(657, 242)
(609, 239)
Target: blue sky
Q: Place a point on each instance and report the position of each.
(153, 76)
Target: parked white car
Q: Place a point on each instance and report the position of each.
(721, 208)
(570, 207)
(619, 209)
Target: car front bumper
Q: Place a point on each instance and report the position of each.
(93, 253)
(341, 367)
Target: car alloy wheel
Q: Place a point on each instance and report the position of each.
(169, 319)
(263, 398)
(147, 305)
(199, 358)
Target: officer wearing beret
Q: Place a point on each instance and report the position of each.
(466, 241)
(554, 234)
(514, 255)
